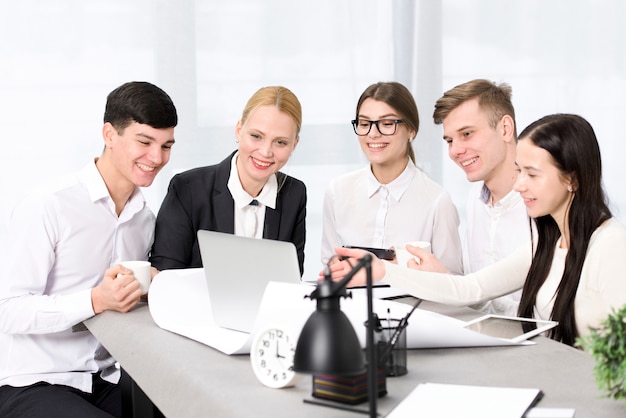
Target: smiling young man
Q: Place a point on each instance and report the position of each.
(479, 126)
(67, 239)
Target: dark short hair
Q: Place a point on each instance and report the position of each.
(141, 102)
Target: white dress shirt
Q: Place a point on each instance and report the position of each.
(602, 285)
(491, 234)
(61, 240)
(360, 211)
(250, 218)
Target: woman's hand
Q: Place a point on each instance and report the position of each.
(424, 260)
(339, 270)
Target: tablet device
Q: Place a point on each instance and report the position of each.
(508, 327)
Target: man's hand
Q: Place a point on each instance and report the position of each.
(119, 291)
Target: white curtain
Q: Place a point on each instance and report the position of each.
(59, 59)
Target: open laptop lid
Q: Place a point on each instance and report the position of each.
(237, 270)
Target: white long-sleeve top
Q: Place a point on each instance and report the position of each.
(360, 211)
(602, 283)
(61, 240)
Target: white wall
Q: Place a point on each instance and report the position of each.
(559, 56)
(61, 58)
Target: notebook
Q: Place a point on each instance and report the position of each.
(237, 270)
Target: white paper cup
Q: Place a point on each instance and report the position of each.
(403, 255)
(141, 271)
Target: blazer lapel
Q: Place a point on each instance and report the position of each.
(272, 222)
(224, 205)
(225, 212)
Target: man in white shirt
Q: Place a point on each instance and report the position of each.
(479, 126)
(62, 267)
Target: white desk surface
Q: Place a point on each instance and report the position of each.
(185, 378)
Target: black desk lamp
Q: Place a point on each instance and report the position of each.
(328, 343)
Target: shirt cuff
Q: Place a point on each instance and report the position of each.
(79, 305)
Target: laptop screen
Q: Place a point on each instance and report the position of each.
(237, 270)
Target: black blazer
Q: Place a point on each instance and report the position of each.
(200, 199)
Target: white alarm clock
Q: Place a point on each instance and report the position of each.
(271, 355)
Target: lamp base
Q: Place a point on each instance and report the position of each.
(347, 389)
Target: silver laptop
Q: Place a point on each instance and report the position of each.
(237, 270)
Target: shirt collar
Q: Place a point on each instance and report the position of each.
(397, 187)
(485, 194)
(93, 181)
(97, 188)
(485, 197)
(268, 194)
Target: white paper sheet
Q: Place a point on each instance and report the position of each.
(436, 400)
(179, 302)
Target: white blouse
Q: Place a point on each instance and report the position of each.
(250, 218)
(360, 211)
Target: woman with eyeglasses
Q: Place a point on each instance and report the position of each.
(390, 201)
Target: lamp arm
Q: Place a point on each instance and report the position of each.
(371, 350)
(372, 367)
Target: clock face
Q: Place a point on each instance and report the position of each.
(272, 355)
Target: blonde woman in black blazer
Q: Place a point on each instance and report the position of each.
(209, 198)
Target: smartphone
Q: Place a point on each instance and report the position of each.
(382, 253)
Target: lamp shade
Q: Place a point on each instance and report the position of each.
(328, 344)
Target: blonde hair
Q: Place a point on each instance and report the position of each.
(278, 96)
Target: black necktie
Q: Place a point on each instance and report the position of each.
(250, 225)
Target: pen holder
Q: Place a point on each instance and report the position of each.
(395, 344)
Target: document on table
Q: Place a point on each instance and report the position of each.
(179, 302)
(435, 400)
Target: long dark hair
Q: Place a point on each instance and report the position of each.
(572, 143)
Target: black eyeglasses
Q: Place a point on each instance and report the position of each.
(386, 127)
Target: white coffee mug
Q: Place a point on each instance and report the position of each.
(403, 255)
(141, 271)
